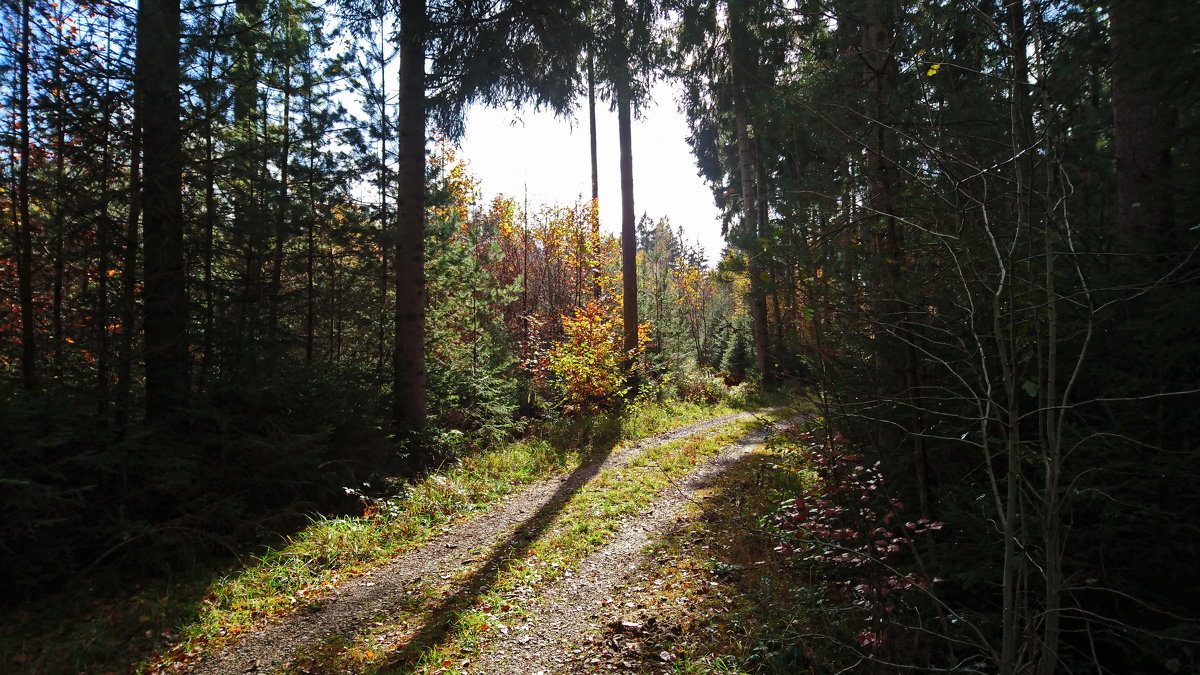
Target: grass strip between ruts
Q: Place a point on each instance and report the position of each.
(443, 623)
(718, 597)
(329, 551)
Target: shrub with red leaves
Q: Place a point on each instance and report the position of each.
(850, 526)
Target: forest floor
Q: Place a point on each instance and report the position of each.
(646, 559)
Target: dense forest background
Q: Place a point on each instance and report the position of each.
(243, 268)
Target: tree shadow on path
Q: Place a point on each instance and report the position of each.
(442, 618)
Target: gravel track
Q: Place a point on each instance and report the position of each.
(349, 607)
(567, 612)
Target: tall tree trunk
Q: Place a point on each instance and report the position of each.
(165, 292)
(621, 87)
(408, 360)
(750, 198)
(385, 239)
(102, 237)
(245, 75)
(1027, 220)
(310, 299)
(129, 269)
(335, 323)
(898, 360)
(25, 227)
(210, 212)
(525, 314)
(591, 85)
(58, 220)
(256, 256)
(210, 226)
(878, 78)
(750, 234)
(310, 291)
(1143, 125)
(284, 211)
(776, 308)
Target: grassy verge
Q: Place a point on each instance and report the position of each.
(98, 626)
(441, 628)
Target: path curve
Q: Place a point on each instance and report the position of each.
(350, 606)
(567, 611)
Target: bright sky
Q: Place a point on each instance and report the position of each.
(508, 150)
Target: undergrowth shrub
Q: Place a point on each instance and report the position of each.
(254, 458)
(848, 528)
(472, 391)
(697, 385)
(748, 395)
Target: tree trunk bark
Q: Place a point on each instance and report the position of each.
(210, 216)
(165, 292)
(385, 239)
(245, 75)
(104, 234)
(102, 263)
(408, 361)
(621, 86)
(58, 220)
(25, 229)
(210, 226)
(1143, 125)
(310, 298)
(284, 211)
(591, 84)
(129, 268)
(750, 200)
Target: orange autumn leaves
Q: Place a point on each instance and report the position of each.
(570, 324)
(564, 315)
(587, 365)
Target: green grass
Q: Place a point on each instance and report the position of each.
(101, 627)
(330, 550)
(317, 558)
(722, 599)
(496, 598)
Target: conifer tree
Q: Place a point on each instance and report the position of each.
(408, 361)
(24, 225)
(1143, 125)
(167, 361)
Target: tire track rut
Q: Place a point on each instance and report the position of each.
(350, 606)
(567, 610)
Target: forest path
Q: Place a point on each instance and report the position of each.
(465, 560)
(568, 613)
